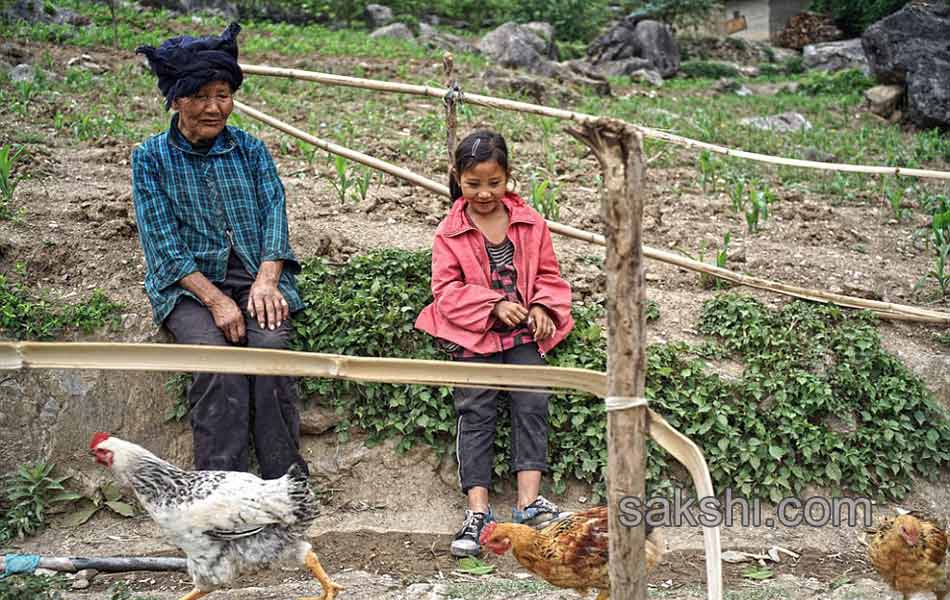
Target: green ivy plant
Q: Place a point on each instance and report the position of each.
(27, 315)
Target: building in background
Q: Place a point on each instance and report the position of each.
(757, 19)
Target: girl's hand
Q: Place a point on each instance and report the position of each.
(540, 323)
(510, 313)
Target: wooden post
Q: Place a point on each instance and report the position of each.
(451, 114)
(619, 148)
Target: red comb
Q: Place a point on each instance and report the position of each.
(98, 438)
(487, 530)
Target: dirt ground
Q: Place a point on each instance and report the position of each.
(385, 530)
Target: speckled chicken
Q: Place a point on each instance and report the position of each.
(569, 552)
(227, 523)
(909, 551)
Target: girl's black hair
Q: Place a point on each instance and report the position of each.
(478, 147)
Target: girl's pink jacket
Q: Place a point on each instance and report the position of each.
(464, 300)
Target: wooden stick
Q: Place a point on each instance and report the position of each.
(526, 107)
(619, 150)
(885, 310)
(451, 109)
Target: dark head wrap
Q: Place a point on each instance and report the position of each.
(184, 64)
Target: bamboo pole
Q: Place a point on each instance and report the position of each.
(887, 310)
(451, 99)
(109, 564)
(619, 149)
(526, 107)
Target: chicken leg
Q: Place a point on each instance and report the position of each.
(603, 595)
(194, 594)
(330, 588)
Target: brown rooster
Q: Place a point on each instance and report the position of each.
(909, 552)
(568, 553)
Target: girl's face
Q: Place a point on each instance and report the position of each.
(484, 185)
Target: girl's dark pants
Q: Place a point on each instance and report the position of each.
(227, 409)
(477, 411)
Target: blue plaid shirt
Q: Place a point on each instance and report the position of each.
(191, 208)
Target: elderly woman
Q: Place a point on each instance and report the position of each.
(220, 271)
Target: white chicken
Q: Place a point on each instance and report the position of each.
(227, 523)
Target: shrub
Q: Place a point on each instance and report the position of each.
(840, 83)
(854, 17)
(708, 68)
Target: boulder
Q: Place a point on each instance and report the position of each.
(519, 47)
(647, 40)
(912, 47)
(227, 9)
(835, 56)
(545, 31)
(22, 73)
(38, 11)
(431, 37)
(883, 99)
(400, 31)
(626, 66)
(648, 76)
(377, 15)
(781, 123)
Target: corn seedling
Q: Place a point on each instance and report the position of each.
(343, 182)
(737, 193)
(894, 194)
(8, 182)
(363, 182)
(940, 240)
(758, 208)
(707, 281)
(707, 170)
(544, 198)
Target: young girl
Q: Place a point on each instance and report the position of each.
(499, 298)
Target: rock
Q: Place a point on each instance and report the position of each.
(317, 420)
(808, 28)
(377, 15)
(536, 88)
(545, 31)
(647, 76)
(84, 61)
(782, 123)
(431, 37)
(399, 31)
(834, 56)
(867, 589)
(648, 40)
(910, 47)
(224, 8)
(883, 99)
(38, 11)
(518, 47)
(23, 73)
(626, 66)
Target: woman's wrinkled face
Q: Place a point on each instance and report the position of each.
(203, 115)
(484, 185)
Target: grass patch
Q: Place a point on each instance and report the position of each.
(28, 315)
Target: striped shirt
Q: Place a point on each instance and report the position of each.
(192, 208)
(504, 278)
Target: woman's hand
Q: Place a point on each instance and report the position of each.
(266, 304)
(510, 313)
(228, 318)
(540, 323)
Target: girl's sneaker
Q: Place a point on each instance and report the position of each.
(538, 512)
(466, 540)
